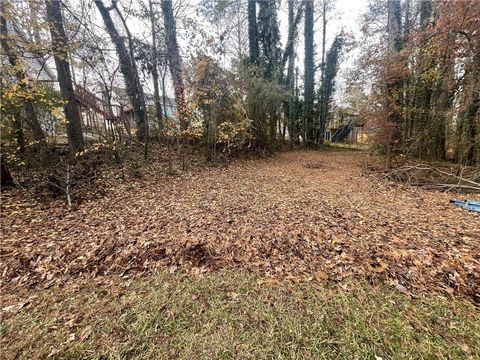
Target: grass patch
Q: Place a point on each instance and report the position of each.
(346, 146)
(228, 315)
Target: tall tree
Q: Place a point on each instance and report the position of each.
(426, 81)
(269, 39)
(174, 60)
(324, 36)
(156, 91)
(294, 19)
(328, 83)
(309, 76)
(253, 32)
(394, 44)
(424, 62)
(323, 101)
(60, 47)
(472, 112)
(128, 69)
(270, 60)
(21, 75)
(135, 71)
(289, 55)
(394, 26)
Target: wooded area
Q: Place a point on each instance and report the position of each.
(418, 75)
(308, 142)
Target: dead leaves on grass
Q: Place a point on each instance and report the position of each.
(302, 215)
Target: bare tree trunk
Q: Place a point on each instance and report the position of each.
(289, 54)
(156, 92)
(17, 131)
(309, 75)
(273, 125)
(164, 101)
(174, 60)
(319, 136)
(60, 45)
(140, 94)
(324, 35)
(6, 176)
(134, 90)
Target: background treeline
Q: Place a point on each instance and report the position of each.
(254, 99)
(239, 82)
(425, 96)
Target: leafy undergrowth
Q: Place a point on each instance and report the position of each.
(42, 178)
(298, 215)
(226, 315)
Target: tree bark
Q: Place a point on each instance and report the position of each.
(293, 21)
(175, 61)
(308, 75)
(60, 44)
(156, 91)
(290, 82)
(394, 26)
(136, 77)
(323, 101)
(289, 55)
(394, 47)
(128, 69)
(253, 32)
(269, 38)
(6, 176)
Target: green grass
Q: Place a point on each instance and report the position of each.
(227, 315)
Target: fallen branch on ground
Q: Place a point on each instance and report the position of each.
(432, 177)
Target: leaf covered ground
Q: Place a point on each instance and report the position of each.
(318, 216)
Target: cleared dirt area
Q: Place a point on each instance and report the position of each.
(320, 216)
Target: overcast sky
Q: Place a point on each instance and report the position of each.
(346, 15)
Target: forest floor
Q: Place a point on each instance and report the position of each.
(312, 219)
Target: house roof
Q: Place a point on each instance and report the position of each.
(37, 65)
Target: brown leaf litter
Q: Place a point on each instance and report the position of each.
(306, 214)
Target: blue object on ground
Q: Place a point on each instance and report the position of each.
(469, 205)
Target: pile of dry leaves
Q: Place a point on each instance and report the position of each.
(300, 215)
